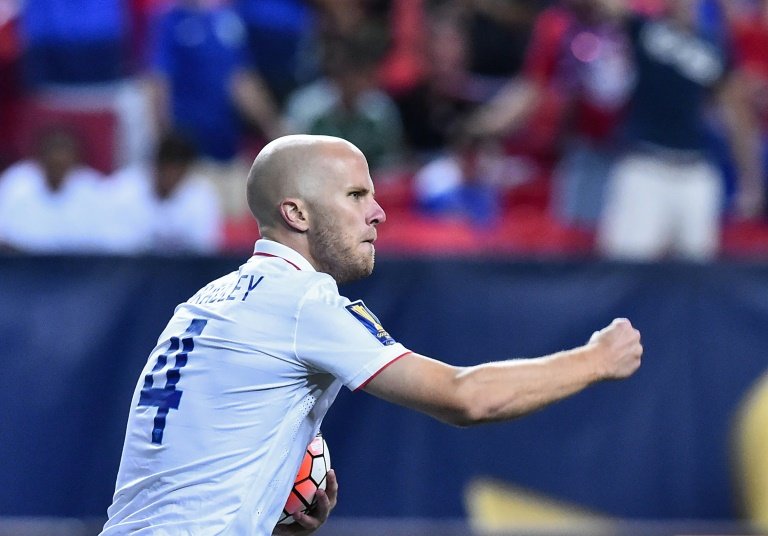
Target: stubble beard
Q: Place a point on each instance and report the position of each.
(338, 257)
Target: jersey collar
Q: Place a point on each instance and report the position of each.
(270, 248)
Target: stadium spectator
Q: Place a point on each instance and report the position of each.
(164, 208)
(11, 90)
(204, 85)
(465, 182)
(76, 59)
(498, 32)
(404, 65)
(74, 42)
(578, 60)
(432, 108)
(52, 203)
(749, 27)
(365, 20)
(347, 103)
(665, 195)
(279, 36)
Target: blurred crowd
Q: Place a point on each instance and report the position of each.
(629, 129)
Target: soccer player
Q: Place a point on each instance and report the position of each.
(247, 368)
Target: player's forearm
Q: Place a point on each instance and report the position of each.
(504, 390)
(509, 389)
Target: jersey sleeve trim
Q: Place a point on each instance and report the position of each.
(372, 376)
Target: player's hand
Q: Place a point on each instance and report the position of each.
(308, 523)
(619, 349)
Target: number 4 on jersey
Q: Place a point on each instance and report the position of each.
(168, 397)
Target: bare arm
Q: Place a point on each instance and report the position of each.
(505, 390)
(508, 111)
(254, 100)
(159, 102)
(743, 131)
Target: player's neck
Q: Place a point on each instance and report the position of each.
(296, 242)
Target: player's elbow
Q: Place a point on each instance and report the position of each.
(468, 413)
(471, 405)
(482, 401)
(455, 413)
(456, 418)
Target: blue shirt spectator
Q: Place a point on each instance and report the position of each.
(278, 35)
(74, 41)
(204, 86)
(665, 195)
(676, 73)
(198, 51)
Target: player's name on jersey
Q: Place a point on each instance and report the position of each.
(214, 293)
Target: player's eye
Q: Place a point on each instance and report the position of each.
(356, 195)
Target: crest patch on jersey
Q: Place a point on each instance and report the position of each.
(371, 323)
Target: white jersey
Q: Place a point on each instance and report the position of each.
(232, 394)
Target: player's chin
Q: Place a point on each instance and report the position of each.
(365, 266)
(356, 267)
(368, 251)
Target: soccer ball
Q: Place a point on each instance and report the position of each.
(311, 477)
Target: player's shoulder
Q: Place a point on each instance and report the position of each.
(323, 289)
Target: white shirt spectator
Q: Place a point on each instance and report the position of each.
(437, 179)
(36, 219)
(189, 220)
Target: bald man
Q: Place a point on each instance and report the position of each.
(247, 368)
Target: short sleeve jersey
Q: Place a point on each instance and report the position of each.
(234, 391)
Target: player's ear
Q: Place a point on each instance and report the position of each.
(294, 214)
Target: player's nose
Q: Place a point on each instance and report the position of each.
(377, 214)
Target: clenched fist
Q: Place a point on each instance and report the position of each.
(619, 349)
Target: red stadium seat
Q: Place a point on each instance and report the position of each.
(95, 123)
